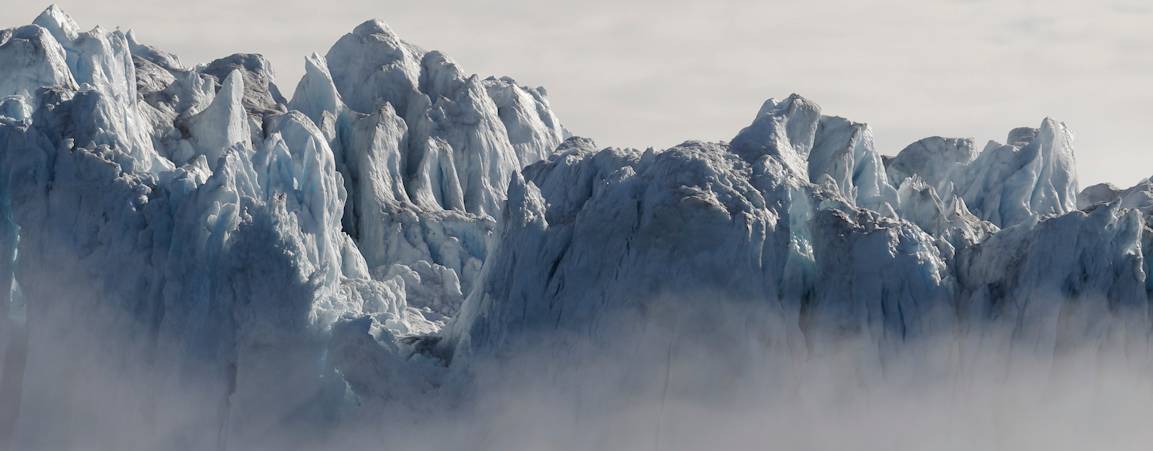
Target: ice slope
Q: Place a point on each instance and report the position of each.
(177, 237)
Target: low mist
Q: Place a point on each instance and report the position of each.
(674, 388)
(686, 388)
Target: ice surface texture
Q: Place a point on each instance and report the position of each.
(398, 220)
(190, 226)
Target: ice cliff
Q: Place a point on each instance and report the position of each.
(176, 226)
(183, 229)
(799, 217)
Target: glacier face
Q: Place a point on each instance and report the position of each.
(173, 229)
(228, 263)
(801, 217)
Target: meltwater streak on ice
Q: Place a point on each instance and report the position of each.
(225, 268)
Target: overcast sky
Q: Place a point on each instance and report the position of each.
(658, 72)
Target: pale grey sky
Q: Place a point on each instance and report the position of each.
(657, 72)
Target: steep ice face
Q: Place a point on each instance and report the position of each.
(843, 157)
(426, 152)
(196, 230)
(1005, 184)
(232, 275)
(782, 130)
(459, 113)
(693, 229)
(59, 23)
(372, 65)
(1100, 193)
(1068, 277)
(144, 52)
(261, 95)
(316, 94)
(98, 58)
(805, 232)
(935, 160)
(222, 125)
(825, 150)
(955, 227)
(1139, 196)
(533, 130)
(31, 59)
(214, 236)
(96, 65)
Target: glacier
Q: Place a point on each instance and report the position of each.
(227, 263)
(800, 215)
(188, 224)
